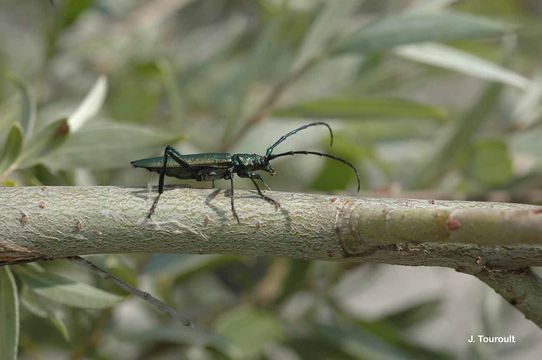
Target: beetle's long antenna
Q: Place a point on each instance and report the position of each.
(282, 138)
(288, 153)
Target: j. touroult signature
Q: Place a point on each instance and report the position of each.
(492, 339)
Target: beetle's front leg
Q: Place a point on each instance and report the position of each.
(253, 177)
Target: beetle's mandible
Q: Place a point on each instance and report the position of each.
(215, 166)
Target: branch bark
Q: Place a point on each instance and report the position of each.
(496, 242)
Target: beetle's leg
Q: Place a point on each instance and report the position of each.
(170, 151)
(253, 177)
(231, 197)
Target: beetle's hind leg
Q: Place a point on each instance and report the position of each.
(253, 177)
(170, 151)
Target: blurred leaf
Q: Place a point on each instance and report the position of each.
(315, 348)
(296, 279)
(389, 334)
(458, 138)
(66, 14)
(234, 91)
(109, 146)
(66, 291)
(528, 108)
(119, 266)
(176, 265)
(250, 329)
(90, 105)
(32, 303)
(12, 147)
(405, 29)
(9, 113)
(413, 315)
(174, 96)
(44, 142)
(181, 335)
(42, 308)
(429, 5)
(398, 129)
(490, 163)
(358, 342)
(28, 106)
(358, 108)
(9, 315)
(70, 10)
(136, 92)
(329, 20)
(59, 324)
(375, 340)
(456, 60)
(335, 175)
(42, 175)
(528, 144)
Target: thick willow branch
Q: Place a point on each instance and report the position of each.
(496, 242)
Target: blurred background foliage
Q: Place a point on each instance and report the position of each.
(429, 98)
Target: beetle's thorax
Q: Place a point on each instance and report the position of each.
(249, 162)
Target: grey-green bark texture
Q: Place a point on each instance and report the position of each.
(496, 242)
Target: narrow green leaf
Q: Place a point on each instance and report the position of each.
(456, 60)
(28, 106)
(44, 308)
(32, 303)
(250, 329)
(405, 29)
(324, 27)
(173, 92)
(44, 142)
(233, 92)
(490, 162)
(181, 335)
(528, 108)
(109, 146)
(367, 108)
(414, 315)
(12, 147)
(394, 130)
(59, 324)
(178, 265)
(9, 111)
(358, 342)
(66, 291)
(9, 315)
(90, 105)
(296, 280)
(428, 6)
(459, 137)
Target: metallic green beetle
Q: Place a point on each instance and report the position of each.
(215, 166)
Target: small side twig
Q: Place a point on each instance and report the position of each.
(134, 291)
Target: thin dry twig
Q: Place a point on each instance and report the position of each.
(132, 290)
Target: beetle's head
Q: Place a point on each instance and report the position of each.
(270, 169)
(263, 164)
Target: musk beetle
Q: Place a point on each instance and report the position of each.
(216, 166)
